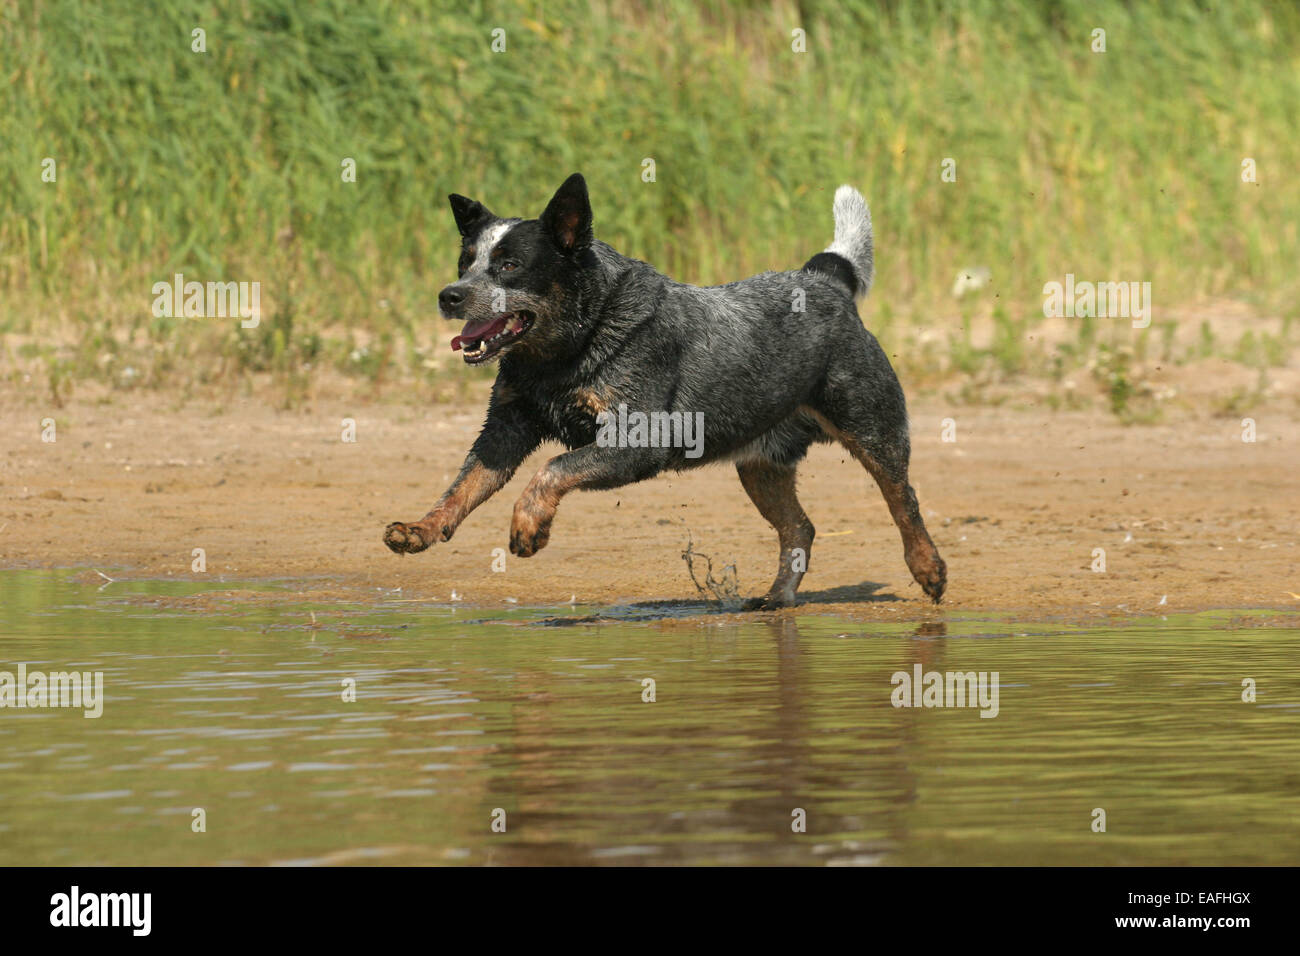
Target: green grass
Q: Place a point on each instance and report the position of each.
(225, 165)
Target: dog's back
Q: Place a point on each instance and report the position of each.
(749, 355)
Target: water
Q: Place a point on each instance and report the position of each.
(232, 702)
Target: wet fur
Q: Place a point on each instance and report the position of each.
(611, 330)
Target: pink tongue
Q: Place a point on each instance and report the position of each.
(484, 331)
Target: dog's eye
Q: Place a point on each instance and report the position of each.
(509, 265)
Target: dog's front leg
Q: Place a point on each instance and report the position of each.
(506, 440)
(589, 467)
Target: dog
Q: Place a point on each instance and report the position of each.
(583, 334)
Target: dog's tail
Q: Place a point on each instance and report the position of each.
(848, 257)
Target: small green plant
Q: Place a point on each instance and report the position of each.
(1008, 341)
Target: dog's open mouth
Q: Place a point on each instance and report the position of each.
(482, 340)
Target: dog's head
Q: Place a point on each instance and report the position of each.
(518, 278)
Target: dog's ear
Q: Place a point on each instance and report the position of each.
(469, 213)
(568, 215)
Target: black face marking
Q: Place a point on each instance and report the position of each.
(517, 255)
(518, 280)
(511, 280)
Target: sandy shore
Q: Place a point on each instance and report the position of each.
(1189, 516)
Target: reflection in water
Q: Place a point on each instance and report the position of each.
(234, 702)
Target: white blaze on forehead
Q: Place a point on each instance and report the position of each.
(488, 240)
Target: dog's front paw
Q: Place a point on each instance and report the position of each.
(530, 530)
(407, 538)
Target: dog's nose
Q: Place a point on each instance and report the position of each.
(450, 297)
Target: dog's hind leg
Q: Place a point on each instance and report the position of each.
(771, 487)
(919, 552)
(862, 407)
(885, 455)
